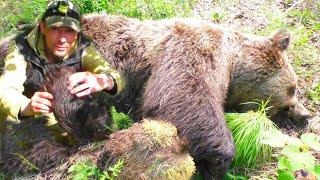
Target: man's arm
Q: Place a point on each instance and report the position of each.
(94, 62)
(11, 83)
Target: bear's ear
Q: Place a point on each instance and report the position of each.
(281, 39)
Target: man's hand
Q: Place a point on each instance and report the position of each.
(40, 102)
(84, 83)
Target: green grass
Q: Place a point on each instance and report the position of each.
(248, 130)
(120, 120)
(314, 94)
(15, 13)
(148, 9)
(87, 170)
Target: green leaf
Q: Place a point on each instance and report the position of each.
(284, 164)
(311, 140)
(104, 176)
(274, 138)
(116, 169)
(317, 26)
(80, 176)
(290, 150)
(299, 158)
(316, 171)
(230, 176)
(295, 142)
(71, 169)
(284, 175)
(120, 120)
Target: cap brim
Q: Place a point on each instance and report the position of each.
(58, 21)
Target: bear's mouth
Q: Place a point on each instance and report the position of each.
(285, 121)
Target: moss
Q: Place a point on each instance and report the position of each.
(161, 132)
(183, 169)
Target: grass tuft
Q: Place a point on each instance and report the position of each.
(248, 129)
(87, 170)
(120, 120)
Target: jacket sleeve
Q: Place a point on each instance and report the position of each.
(94, 62)
(11, 83)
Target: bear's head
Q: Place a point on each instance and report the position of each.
(85, 118)
(262, 70)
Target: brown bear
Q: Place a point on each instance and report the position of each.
(184, 70)
(132, 46)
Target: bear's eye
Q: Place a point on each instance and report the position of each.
(291, 90)
(286, 108)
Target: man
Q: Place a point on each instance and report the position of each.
(57, 39)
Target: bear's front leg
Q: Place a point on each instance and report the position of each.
(199, 117)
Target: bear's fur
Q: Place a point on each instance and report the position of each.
(85, 118)
(4, 47)
(133, 47)
(150, 150)
(267, 74)
(145, 148)
(183, 70)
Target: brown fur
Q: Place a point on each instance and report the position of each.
(4, 47)
(268, 73)
(30, 141)
(133, 46)
(86, 118)
(145, 147)
(143, 153)
(193, 67)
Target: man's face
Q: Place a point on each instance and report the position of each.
(58, 40)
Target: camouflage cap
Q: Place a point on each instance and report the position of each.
(62, 13)
(57, 21)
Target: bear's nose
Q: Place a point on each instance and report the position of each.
(305, 116)
(299, 112)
